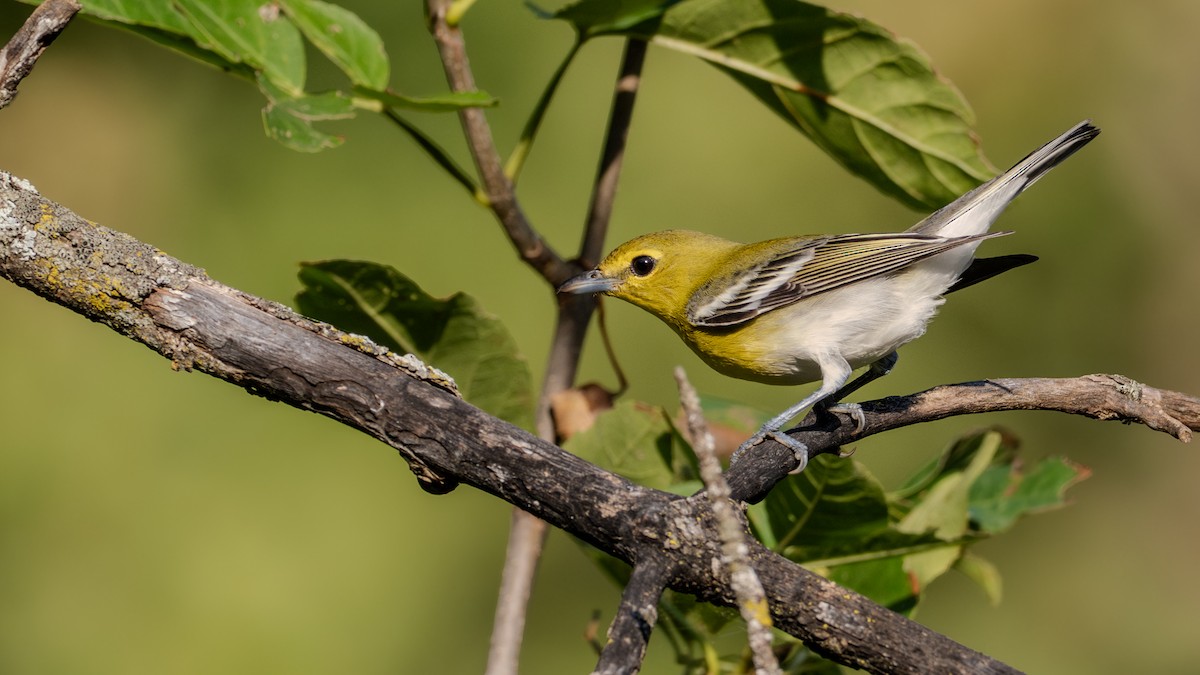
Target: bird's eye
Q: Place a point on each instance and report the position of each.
(642, 265)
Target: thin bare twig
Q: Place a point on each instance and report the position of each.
(604, 195)
(497, 188)
(526, 539)
(751, 599)
(18, 57)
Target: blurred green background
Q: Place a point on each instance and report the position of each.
(159, 522)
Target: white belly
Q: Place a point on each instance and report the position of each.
(862, 323)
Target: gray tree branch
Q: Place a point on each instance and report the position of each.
(1100, 397)
(630, 631)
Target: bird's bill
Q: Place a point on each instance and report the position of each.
(590, 282)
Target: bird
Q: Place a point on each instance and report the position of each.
(814, 308)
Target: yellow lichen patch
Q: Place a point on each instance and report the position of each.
(47, 218)
(359, 342)
(102, 295)
(759, 610)
(52, 276)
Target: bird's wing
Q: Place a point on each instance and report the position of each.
(812, 266)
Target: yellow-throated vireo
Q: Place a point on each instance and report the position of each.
(808, 308)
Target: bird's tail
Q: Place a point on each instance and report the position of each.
(975, 211)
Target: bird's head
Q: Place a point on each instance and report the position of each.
(658, 272)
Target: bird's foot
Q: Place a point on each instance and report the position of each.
(799, 449)
(853, 410)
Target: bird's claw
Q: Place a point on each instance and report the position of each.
(799, 449)
(854, 410)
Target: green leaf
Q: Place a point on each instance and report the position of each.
(883, 580)
(343, 37)
(250, 32)
(596, 17)
(447, 102)
(944, 508)
(835, 519)
(872, 101)
(1005, 493)
(954, 460)
(899, 564)
(289, 119)
(828, 510)
(984, 573)
(151, 13)
(632, 439)
(158, 21)
(454, 334)
(924, 567)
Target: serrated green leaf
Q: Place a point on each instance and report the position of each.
(911, 561)
(631, 440)
(454, 334)
(344, 38)
(872, 101)
(1005, 493)
(159, 22)
(250, 32)
(286, 122)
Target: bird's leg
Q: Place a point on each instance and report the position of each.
(873, 372)
(835, 371)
